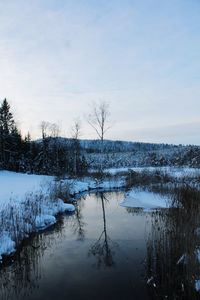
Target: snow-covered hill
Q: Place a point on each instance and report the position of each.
(112, 154)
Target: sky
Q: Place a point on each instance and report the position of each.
(140, 56)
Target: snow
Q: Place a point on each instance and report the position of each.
(173, 171)
(87, 184)
(77, 186)
(198, 254)
(28, 197)
(142, 199)
(16, 185)
(44, 221)
(106, 185)
(62, 207)
(7, 246)
(197, 285)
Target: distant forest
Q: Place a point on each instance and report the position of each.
(55, 155)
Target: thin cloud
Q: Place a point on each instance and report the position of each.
(56, 56)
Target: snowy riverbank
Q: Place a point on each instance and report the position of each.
(171, 171)
(147, 201)
(31, 202)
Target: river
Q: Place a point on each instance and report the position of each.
(106, 251)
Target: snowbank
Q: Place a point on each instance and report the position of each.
(44, 221)
(197, 285)
(49, 211)
(16, 185)
(142, 199)
(87, 184)
(28, 203)
(173, 171)
(7, 246)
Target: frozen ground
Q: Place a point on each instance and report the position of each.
(142, 199)
(15, 185)
(25, 206)
(87, 184)
(173, 171)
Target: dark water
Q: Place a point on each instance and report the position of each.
(105, 251)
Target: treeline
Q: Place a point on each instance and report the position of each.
(53, 155)
(110, 146)
(184, 156)
(47, 156)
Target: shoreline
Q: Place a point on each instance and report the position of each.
(52, 208)
(52, 200)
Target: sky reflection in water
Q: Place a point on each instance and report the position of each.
(106, 251)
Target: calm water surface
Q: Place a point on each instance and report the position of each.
(105, 251)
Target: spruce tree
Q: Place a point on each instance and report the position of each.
(10, 138)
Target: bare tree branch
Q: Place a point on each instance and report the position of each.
(98, 118)
(76, 129)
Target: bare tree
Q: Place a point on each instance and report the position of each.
(98, 119)
(44, 131)
(49, 129)
(54, 130)
(75, 133)
(76, 129)
(44, 128)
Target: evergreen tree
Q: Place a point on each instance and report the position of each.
(10, 138)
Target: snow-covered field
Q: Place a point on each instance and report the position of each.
(173, 171)
(25, 206)
(87, 184)
(14, 186)
(145, 200)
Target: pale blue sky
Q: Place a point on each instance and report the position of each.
(56, 56)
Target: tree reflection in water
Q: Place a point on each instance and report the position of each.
(20, 277)
(79, 225)
(172, 247)
(103, 248)
(172, 243)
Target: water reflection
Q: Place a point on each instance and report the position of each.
(172, 248)
(79, 224)
(103, 248)
(101, 231)
(20, 276)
